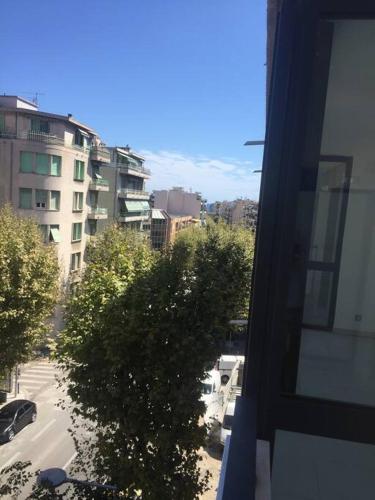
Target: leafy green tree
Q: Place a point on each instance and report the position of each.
(28, 287)
(141, 332)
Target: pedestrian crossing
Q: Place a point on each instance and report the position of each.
(35, 376)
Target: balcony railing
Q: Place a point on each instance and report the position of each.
(32, 135)
(98, 211)
(100, 153)
(132, 166)
(133, 193)
(100, 182)
(144, 213)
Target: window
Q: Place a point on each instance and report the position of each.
(79, 170)
(41, 198)
(55, 200)
(55, 165)
(2, 122)
(42, 166)
(38, 125)
(76, 261)
(25, 195)
(92, 227)
(50, 233)
(77, 231)
(26, 162)
(77, 201)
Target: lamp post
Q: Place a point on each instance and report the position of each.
(55, 477)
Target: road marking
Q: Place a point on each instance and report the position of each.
(70, 460)
(43, 430)
(11, 460)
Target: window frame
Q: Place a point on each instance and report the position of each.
(75, 258)
(76, 232)
(78, 207)
(79, 168)
(30, 191)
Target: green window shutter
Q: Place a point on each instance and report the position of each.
(2, 122)
(54, 200)
(25, 195)
(42, 164)
(26, 162)
(80, 201)
(79, 170)
(55, 165)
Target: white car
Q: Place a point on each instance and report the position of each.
(226, 428)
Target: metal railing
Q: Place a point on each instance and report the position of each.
(144, 213)
(135, 192)
(98, 211)
(100, 151)
(32, 135)
(100, 182)
(131, 166)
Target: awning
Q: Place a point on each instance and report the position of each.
(83, 132)
(146, 205)
(55, 235)
(134, 206)
(157, 214)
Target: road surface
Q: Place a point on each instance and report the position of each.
(46, 443)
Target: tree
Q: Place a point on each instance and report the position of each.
(28, 287)
(141, 333)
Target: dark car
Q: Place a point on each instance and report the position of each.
(14, 416)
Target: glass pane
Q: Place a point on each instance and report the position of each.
(332, 284)
(42, 164)
(319, 468)
(41, 198)
(26, 161)
(55, 200)
(25, 198)
(55, 165)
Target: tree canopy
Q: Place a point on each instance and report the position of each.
(141, 332)
(28, 287)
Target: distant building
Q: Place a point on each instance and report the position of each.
(179, 202)
(165, 227)
(237, 212)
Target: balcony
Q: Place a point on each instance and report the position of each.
(99, 185)
(99, 153)
(133, 194)
(134, 169)
(32, 135)
(97, 213)
(134, 216)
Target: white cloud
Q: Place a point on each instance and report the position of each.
(216, 179)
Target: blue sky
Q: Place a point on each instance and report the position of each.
(181, 81)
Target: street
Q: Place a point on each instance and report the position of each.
(46, 443)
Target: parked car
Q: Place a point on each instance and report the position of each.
(226, 428)
(15, 416)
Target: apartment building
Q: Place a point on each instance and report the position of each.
(179, 202)
(128, 202)
(238, 212)
(55, 169)
(165, 227)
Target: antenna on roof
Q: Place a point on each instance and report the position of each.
(35, 98)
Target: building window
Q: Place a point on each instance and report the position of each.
(42, 164)
(75, 261)
(77, 202)
(51, 233)
(26, 162)
(38, 125)
(25, 195)
(92, 227)
(77, 231)
(79, 170)
(55, 165)
(2, 122)
(55, 200)
(47, 200)
(41, 198)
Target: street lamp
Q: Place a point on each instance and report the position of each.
(55, 477)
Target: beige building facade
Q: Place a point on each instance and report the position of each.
(179, 202)
(55, 169)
